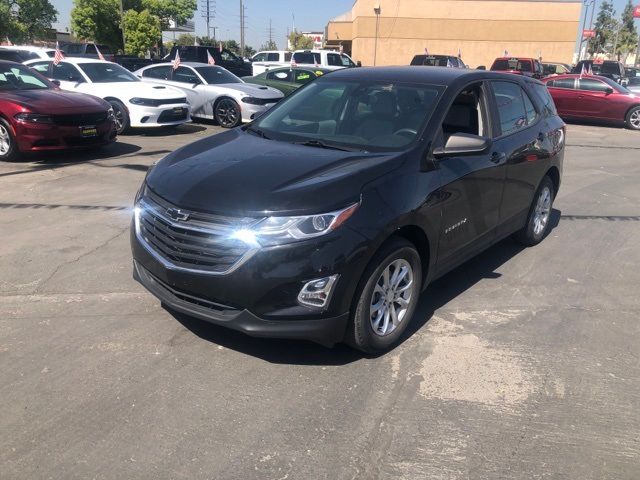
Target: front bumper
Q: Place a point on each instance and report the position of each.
(326, 331)
(250, 111)
(46, 137)
(260, 296)
(173, 114)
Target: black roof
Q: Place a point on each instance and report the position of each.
(420, 74)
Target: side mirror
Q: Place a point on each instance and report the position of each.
(463, 144)
(56, 83)
(608, 90)
(481, 67)
(358, 63)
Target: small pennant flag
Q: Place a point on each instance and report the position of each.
(341, 49)
(195, 42)
(506, 52)
(449, 64)
(426, 51)
(459, 53)
(100, 56)
(589, 71)
(58, 56)
(8, 42)
(583, 71)
(220, 47)
(293, 63)
(210, 59)
(540, 55)
(176, 61)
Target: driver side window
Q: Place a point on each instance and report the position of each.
(467, 114)
(185, 75)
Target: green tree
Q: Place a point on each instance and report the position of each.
(628, 35)
(97, 20)
(249, 51)
(207, 41)
(165, 10)
(142, 31)
(269, 45)
(605, 29)
(299, 41)
(232, 46)
(25, 20)
(185, 39)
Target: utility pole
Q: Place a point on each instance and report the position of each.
(241, 29)
(208, 12)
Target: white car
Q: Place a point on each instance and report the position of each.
(323, 58)
(213, 92)
(32, 53)
(134, 103)
(268, 59)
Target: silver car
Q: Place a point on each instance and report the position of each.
(214, 92)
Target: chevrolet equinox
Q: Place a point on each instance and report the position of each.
(325, 218)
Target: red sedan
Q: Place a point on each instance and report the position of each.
(594, 98)
(35, 115)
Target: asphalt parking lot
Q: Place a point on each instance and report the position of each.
(522, 364)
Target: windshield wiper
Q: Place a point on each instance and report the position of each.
(258, 132)
(321, 144)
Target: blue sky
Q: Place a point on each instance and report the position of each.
(309, 15)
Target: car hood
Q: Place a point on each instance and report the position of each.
(138, 89)
(258, 91)
(237, 173)
(55, 101)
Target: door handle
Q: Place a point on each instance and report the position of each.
(498, 158)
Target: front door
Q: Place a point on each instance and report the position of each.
(471, 185)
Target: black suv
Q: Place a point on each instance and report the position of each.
(224, 58)
(325, 218)
(608, 68)
(437, 61)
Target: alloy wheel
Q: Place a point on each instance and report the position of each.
(227, 113)
(542, 211)
(119, 118)
(634, 119)
(5, 141)
(391, 297)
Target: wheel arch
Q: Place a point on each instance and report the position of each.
(626, 114)
(554, 174)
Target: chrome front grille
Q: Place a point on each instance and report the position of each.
(188, 240)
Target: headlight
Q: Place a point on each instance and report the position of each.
(33, 118)
(280, 230)
(253, 100)
(147, 102)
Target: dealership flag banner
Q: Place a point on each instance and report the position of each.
(176, 61)
(100, 56)
(58, 56)
(210, 59)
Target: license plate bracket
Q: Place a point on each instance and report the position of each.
(88, 132)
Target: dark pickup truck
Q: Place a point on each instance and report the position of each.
(87, 50)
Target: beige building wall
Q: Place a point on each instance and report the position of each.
(481, 29)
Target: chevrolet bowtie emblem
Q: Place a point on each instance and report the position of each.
(177, 214)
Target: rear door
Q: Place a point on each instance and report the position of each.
(185, 79)
(593, 99)
(521, 136)
(565, 95)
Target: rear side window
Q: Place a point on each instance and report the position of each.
(280, 76)
(511, 107)
(307, 58)
(545, 98)
(260, 57)
(273, 57)
(592, 85)
(287, 56)
(562, 83)
(66, 72)
(162, 73)
(91, 50)
(333, 59)
(41, 67)
(302, 76)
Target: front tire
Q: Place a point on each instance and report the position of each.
(539, 215)
(633, 118)
(8, 146)
(386, 298)
(227, 113)
(121, 115)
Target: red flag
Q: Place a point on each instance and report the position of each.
(210, 59)
(58, 56)
(100, 56)
(176, 61)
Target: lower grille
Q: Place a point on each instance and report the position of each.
(191, 241)
(173, 115)
(83, 119)
(83, 142)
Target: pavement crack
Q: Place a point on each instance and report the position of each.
(121, 231)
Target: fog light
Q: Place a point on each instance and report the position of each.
(317, 293)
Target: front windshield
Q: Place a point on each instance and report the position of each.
(362, 115)
(17, 77)
(107, 72)
(217, 75)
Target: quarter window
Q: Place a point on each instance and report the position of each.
(562, 83)
(511, 108)
(530, 110)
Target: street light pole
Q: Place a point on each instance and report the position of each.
(376, 10)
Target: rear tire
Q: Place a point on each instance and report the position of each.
(121, 115)
(8, 145)
(386, 298)
(538, 221)
(633, 118)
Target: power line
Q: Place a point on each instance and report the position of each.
(209, 13)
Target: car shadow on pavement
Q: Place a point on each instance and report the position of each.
(184, 129)
(437, 295)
